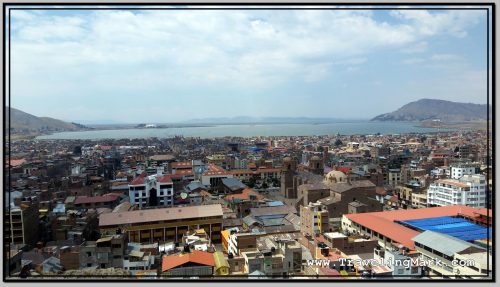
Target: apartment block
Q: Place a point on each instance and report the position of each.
(469, 190)
(313, 219)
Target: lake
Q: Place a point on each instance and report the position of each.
(250, 130)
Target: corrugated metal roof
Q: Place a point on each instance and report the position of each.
(220, 260)
(443, 243)
(159, 214)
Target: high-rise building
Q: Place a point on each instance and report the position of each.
(469, 190)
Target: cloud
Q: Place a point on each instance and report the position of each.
(444, 57)
(416, 48)
(453, 22)
(122, 54)
(413, 61)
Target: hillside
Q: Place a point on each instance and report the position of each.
(24, 123)
(430, 109)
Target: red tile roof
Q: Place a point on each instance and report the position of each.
(198, 257)
(244, 195)
(94, 199)
(139, 179)
(164, 178)
(383, 222)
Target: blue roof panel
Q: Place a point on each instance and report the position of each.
(454, 226)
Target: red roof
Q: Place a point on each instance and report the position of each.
(345, 170)
(383, 222)
(164, 178)
(94, 199)
(244, 195)
(484, 212)
(138, 180)
(196, 256)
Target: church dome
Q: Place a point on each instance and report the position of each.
(335, 176)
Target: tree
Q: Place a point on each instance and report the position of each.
(338, 142)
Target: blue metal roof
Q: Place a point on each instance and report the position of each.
(275, 203)
(454, 226)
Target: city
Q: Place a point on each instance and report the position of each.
(213, 143)
(262, 207)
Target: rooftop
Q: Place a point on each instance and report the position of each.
(196, 256)
(160, 214)
(385, 222)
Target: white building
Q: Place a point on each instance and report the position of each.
(154, 190)
(469, 190)
(399, 262)
(456, 172)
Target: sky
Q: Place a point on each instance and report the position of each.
(130, 66)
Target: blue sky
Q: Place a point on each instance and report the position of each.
(169, 66)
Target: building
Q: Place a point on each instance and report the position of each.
(235, 243)
(221, 264)
(457, 171)
(274, 255)
(400, 262)
(287, 178)
(188, 264)
(154, 190)
(164, 224)
(313, 219)
(106, 252)
(419, 200)
(232, 185)
(453, 253)
(350, 245)
(140, 257)
(398, 227)
(469, 190)
(70, 257)
(361, 193)
(110, 200)
(311, 192)
(242, 202)
(21, 223)
(394, 177)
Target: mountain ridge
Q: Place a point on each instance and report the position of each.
(435, 109)
(25, 123)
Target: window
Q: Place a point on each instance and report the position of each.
(89, 254)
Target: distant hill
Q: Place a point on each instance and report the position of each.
(430, 109)
(24, 123)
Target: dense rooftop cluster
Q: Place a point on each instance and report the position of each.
(259, 207)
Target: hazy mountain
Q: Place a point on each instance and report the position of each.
(21, 122)
(430, 109)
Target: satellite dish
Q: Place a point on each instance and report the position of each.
(184, 195)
